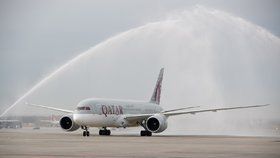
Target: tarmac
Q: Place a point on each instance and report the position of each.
(53, 143)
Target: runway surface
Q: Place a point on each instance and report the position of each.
(47, 143)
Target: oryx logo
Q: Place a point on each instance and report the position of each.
(156, 94)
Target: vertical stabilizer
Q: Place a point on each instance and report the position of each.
(156, 94)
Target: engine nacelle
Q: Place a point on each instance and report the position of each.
(156, 123)
(67, 123)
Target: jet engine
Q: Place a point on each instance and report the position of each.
(156, 123)
(67, 123)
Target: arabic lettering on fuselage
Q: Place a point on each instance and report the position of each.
(111, 109)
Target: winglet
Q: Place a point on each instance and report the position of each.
(157, 91)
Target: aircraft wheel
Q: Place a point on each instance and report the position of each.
(143, 133)
(87, 133)
(84, 133)
(149, 133)
(146, 133)
(108, 132)
(101, 132)
(104, 132)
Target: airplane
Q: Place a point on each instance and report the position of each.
(5, 123)
(107, 113)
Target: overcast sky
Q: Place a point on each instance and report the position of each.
(38, 36)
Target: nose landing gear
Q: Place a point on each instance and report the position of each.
(85, 132)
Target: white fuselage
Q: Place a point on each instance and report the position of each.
(110, 113)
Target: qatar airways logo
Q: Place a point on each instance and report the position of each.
(111, 109)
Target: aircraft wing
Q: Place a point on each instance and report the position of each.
(50, 108)
(190, 107)
(137, 117)
(211, 110)
(140, 117)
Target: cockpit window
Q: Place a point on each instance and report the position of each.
(83, 108)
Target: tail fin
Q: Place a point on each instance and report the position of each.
(156, 94)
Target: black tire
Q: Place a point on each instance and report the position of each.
(84, 133)
(108, 132)
(104, 132)
(143, 133)
(146, 133)
(87, 133)
(101, 132)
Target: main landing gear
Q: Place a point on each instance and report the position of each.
(104, 132)
(85, 132)
(145, 133)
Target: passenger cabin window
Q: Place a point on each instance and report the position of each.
(83, 108)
